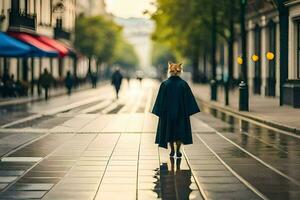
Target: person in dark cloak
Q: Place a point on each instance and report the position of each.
(174, 105)
(116, 80)
(69, 81)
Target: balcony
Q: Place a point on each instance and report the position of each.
(21, 21)
(59, 33)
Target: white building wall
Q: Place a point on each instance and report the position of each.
(236, 66)
(250, 51)
(294, 12)
(4, 6)
(263, 60)
(264, 47)
(277, 58)
(46, 21)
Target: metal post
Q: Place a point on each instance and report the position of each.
(213, 54)
(284, 34)
(32, 77)
(226, 91)
(243, 97)
(213, 89)
(243, 87)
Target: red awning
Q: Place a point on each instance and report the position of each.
(62, 49)
(44, 49)
(73, 52)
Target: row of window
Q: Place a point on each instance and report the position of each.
(42, 8)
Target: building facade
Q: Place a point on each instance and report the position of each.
(269, 32)
(54, 19)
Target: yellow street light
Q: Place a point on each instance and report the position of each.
(270, 55)
(240, 60)
(255, 58)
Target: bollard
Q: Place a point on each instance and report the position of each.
(244, 97)
(226, 87)
(213, 90)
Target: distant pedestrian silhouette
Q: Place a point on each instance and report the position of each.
(174, 105)
(94, 79)
(46, 80)
(69, 82)
(5, 81)
(116, 80)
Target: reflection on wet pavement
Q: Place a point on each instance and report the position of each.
(173, 183)
(104, 149)
(248, 147)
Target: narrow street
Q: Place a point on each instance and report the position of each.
(91, 146)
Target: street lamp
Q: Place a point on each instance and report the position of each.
(243, 87)
(239, 60)
(255, 58)
(270, 56)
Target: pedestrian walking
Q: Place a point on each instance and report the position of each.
(45, 81)
(174, 105)
(11, 86)
(94, 79)
(116, 80)
(69, 82)
(5, 80)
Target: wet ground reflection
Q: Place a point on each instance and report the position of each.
(173, 182)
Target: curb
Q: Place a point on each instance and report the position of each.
(41, 98)
(246, 115)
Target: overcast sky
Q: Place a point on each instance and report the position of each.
(128, 8)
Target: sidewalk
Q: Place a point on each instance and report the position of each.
(54, 92)
(262, 109)
(105, 150)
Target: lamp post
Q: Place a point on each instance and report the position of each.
(243, 87)
(213, 82)
(243, 91)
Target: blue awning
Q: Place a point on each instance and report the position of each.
(10, 47)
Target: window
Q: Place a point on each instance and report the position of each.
(272, 48)
(257, 50)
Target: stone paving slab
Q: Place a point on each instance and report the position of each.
(264, 109)
(112, 155)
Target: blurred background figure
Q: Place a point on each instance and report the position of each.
(128, 77)
(45, 81)
(139, 76)
(69, 82)
(11, 86)
(5, 81)
(116, 80)
(94, 79)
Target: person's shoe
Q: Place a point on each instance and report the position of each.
(178, 154)
(172, 153)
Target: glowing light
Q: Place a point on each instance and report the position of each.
(240, 60)
(255, 58)
(270, 56)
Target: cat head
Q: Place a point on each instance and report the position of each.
(174, 68)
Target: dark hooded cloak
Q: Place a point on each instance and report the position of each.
(174, 105)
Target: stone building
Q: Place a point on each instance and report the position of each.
(272, 27)
(51, 19)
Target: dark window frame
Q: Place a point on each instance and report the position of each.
(272, 46)
(298, 48)
(257, 50)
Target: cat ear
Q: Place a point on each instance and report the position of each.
(180, 64)
(169, 63)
